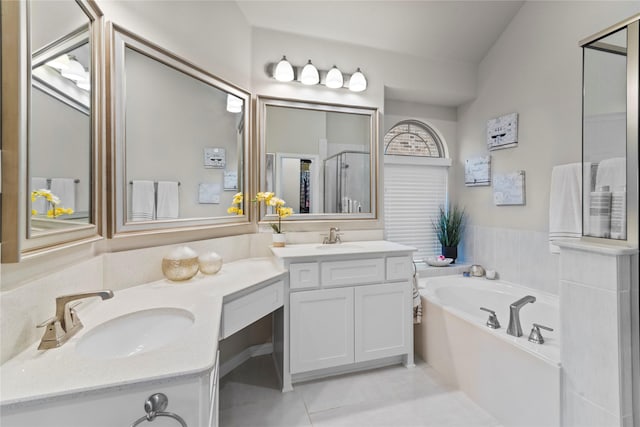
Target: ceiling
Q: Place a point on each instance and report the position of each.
(437, 30)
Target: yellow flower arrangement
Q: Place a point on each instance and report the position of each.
(269, 199)
(55, 211)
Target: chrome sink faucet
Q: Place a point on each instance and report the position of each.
(514, 327)
(65, 323)
(334, 236)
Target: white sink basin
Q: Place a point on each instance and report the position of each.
(135, 333)
(338, 246)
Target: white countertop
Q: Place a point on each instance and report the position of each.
(35, 374)
(314, 250)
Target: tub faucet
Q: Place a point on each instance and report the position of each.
(514, 327)
(65, 323)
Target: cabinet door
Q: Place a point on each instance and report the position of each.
(383, 321)
(321, 329)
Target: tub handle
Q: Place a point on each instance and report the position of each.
(535, 336)
(492, 321)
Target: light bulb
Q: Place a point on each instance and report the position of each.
(284, 70)
(334, 78)
(357, 82)
(309, 75)
(234, 104)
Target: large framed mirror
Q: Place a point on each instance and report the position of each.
(53, 130)
(320, 158)
(180, 141)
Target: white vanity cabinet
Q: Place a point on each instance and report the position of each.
(347, 308)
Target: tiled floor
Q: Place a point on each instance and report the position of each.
(393, 396)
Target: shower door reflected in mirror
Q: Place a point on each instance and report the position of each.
(319, 158)
(181, 140)
(60, 133)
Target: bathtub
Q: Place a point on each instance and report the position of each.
(515, 380)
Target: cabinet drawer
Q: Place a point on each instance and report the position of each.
(247, 309)
(399, 268)
(352, 272)
(304, 275)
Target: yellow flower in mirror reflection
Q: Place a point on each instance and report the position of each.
(236, 204)
(237, 198)
(55, 210)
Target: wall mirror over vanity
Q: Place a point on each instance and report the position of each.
(180, 140)
(51, 145)
(320, 158)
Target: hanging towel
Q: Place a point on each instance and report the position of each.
(613, 173)
(65, 189)
(143, 203)
(40, 204)
(565, 204)
(168, 200)
(417, 301)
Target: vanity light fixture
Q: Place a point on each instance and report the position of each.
(309, 75)
(234, 104)
(334, 78)
(284, 70)
(357, 82)
(75, 71)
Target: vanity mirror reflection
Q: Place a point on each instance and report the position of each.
(180, 141)
(51, 124)
(319, 158)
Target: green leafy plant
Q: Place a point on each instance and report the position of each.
(449, 226)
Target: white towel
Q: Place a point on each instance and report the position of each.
(40, 204)
(65, 189)
(142, 201)
(565, 204)
(168, 200)
(612, 172)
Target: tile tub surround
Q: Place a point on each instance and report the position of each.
(595, 317)
(518, 256)
(63, 371)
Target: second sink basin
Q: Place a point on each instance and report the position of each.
(135, 333)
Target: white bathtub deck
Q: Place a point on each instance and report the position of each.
(393, 396)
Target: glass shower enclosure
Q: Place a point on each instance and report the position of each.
(346, 182)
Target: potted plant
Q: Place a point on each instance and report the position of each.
(269, 199)
(449, 228)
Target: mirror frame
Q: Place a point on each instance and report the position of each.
(16, 101)
(119, 40)
(263, 102)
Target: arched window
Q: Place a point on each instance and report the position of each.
(415, 185)
(413, 138)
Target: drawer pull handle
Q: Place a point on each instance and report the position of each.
(155, 406)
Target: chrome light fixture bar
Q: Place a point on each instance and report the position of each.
(309, 75)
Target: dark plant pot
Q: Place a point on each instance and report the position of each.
(450, 252)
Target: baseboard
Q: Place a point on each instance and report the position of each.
(244, 355)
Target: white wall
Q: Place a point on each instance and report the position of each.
(449, 83)
(533, 69)
(212, 34)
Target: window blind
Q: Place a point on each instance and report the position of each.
(413, 195)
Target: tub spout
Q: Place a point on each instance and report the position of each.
(514, 327)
